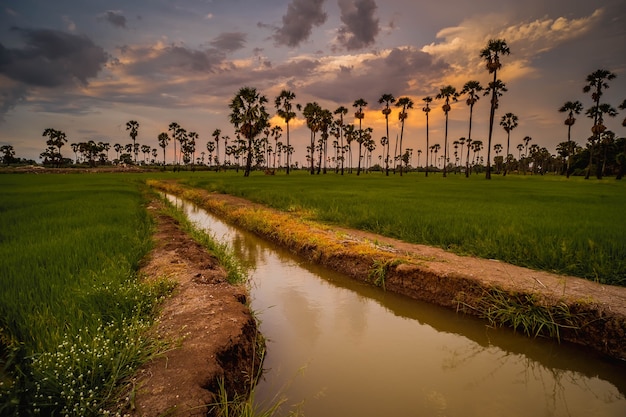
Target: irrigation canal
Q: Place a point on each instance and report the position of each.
(338, 347)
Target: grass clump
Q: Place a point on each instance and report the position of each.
(524, 312)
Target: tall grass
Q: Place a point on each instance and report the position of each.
(568, 226)
(73, 316)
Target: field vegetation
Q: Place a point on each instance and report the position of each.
(567, 226)
(74, 318)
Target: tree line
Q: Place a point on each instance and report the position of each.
(258, 145)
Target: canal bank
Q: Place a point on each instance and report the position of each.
(534, 302)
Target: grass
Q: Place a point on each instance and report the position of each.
(525, 312)
(75, 321)
(572, 227)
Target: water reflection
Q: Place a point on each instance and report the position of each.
(346, 348)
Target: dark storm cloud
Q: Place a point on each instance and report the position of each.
(230, 41)
(298, 22)
(115, 17)
(360, 25)
(385, 74)
(171, 59)
(52, 58)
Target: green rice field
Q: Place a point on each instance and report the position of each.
(75, 320)
(568, 226)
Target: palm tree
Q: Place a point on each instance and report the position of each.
(622, 160)
(312, 113)
(341, 111)
(163, 139)
(508, 122)
(471, 88)
(599, 131)
(133, 126)
(495, 48)
(571, 107)
(359, 104)
(174, 128)
(406, 103)
(596, 81)
(216, 135)
(249, 117)
(387, 99)
(448, 92)
(426, 110)
(284, 110)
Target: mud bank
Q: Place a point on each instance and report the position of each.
(213, 332)
(576, 310)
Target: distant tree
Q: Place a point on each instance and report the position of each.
(133, 126)
(599, 131)
(508, 123)
(448, 93)
(596, 83)
(387, 99)
(405, 103)
(164, 140)
(471, 88)
(492, 53)
(175, 129)
(284, 109)
(426, 109)
(8, 154)
(56, 140)
(359, 104)
(249, 117)
(571, 107)
(341, 111)
(622, 155)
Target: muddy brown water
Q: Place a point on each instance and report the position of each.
(338, 347)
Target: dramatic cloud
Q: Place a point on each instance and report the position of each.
(298, 23)
(230, 41)
(156, 60)
(52, 58)
(115, 17)
(360, 25)
(461, 44)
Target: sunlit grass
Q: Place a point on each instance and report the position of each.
(573, 226)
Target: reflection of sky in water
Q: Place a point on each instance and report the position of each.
(348, 349)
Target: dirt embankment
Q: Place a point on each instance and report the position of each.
(214, 334)
(573, 309)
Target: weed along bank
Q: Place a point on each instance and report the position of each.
(343, 310)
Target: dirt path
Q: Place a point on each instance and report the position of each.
(214, 332)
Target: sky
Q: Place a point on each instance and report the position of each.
(88, 67)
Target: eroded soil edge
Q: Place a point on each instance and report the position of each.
(212, 328)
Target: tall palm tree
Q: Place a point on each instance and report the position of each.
(596, 82)
(405, 103)
(492, 53)
(387, 99)
(599, 131)
(622, 161)
(249, 117)
(341, 111)
(216, 135)
(359, 104)
(471, 88)
(133, 126)
(508, 122)
(174, 128)
(284, 109)
(312, 115)
(164, 139)
(448, 93)
(571, 107)
(426, 109)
